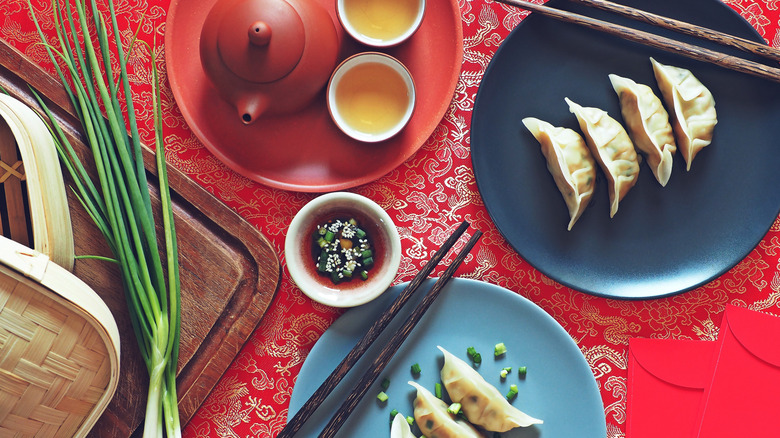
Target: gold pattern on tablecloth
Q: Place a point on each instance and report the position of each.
(427, 196)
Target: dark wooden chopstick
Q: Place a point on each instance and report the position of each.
(376, 367)
(649, 39)
(686, 28)
(294, 424)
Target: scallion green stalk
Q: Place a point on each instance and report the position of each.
(119, 203)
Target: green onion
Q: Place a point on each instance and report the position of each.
(382, 396)
(410, 420)
(522, 371)
(474, 356)
(120, 203)
(454, 408)
(437, 390)
(512, 394)
(393, 413)
(385, 384)
(499, 350)
(505, 372)
(416, 369)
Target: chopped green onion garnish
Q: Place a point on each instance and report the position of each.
(410, 420)
(416, 369)
(505, 372)
(364, 275)
(385, 384)
(437, 390)
(393, 413)
(368, 261)
(360, 233)
(329, 236)
(473, 355)
(512, 394)
(367, 253)
(521, 372)
(454, 408)
(499, 350)
(382, 396)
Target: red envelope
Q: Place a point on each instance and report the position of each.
(743, 397)
(666, 381)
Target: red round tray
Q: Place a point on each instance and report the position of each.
(305, 151)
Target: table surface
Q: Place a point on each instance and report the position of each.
(427, 197)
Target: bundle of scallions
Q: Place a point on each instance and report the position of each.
(119, 203)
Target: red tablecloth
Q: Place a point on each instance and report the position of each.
(427, 197)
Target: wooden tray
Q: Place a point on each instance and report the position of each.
(229, 271)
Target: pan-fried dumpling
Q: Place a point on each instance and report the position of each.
(612, 148)
(691, 106)
(434, 421)
(648, 125)
(400, 428)
(570, 163)
(481, 402)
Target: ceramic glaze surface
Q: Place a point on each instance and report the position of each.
(268, 57)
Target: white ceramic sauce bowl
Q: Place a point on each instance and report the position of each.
(300, 255)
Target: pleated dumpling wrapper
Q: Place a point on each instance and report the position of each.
(434, 421)
(648, 125)
(570, 163)
(612, 148)
(481, 402)
(691, 106)
(400, 428)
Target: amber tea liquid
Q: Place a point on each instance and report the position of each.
(372, 98)
(381, 19)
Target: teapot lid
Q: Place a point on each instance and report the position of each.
(261, 40)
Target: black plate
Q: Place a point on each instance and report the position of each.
(662, 241)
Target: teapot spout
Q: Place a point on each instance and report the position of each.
(250, 108)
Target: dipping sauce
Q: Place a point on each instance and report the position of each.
(345, 249)
(372, 98)
(382, 19)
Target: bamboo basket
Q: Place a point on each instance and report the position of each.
(28, 155)
(59, 343)
(59, 348)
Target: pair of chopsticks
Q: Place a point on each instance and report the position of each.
(664, 43)
(376, 367)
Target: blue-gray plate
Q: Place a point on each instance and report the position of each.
(663, 240)
(558, 388)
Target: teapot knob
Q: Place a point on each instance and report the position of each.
(260, 33)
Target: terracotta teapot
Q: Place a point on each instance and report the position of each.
(269, 57)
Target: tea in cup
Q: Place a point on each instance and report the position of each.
(380, 23)
(371, 96)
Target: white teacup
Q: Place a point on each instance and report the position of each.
(380, 23)
(371, 96)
